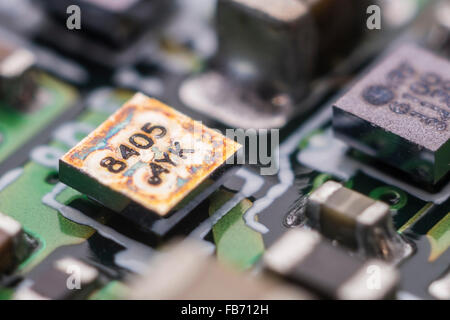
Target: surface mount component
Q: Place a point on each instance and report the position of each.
(146, 155)
(17, 81)
(117, 21)
(268, 53)
(266, 43)
(399, 112)
(12, 243)
(187, 271)
(439, 36)
(277, 44)
(440, 289)
(356, 221)
(302, 256)
(67, 278)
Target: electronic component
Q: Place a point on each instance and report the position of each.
(263, 41)
(356, 221)
(399, 113)
(439, 35)
(395, 15)
(302, 256)
(268, 54)
(440, 289)
(17, 81)
(68, 278)
(269, 44)
(147, 154)
(186, 271)
(118, 21)
(12, 243)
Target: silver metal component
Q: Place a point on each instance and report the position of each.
(398, 13)
(17, 83)
(283, 256)
(10, 226)
(13, 247)
(439, 35)
(28, 294)
(373, 214)
(15, 64)
(320, 197)
(375, 280)
(187, 271)
(219, 97)
(299, 257)
(440, 289)
(88, 274)
(324, 192)
(266, 58)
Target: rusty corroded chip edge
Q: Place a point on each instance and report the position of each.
(116, 196)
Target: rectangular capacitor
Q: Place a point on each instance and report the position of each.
(17, 79)
(12, 243)
(399, 113)
(186, 271)
(356, 221)
(302, 256)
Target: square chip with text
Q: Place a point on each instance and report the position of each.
(400, 112)
(146, 153)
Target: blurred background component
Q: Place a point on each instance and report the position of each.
(17, 79)
(68, 278)
(115, 21)
(13, 246)
(268, 55)
(186, 271)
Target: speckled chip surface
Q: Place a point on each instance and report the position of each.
(147, 153)
(401, 112)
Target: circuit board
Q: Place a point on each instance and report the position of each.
(75, 172)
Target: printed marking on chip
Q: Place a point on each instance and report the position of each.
(147, 153)
(399, 112)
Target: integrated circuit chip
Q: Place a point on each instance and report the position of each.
(400, 112)
(146, 154)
